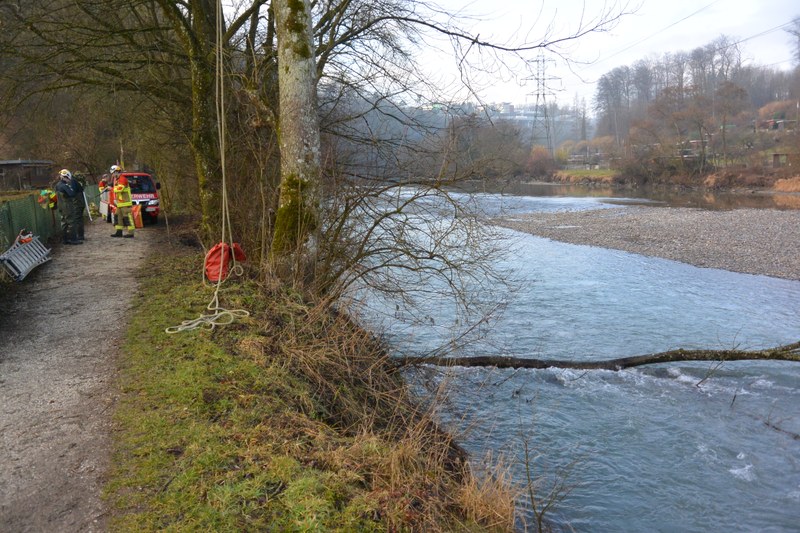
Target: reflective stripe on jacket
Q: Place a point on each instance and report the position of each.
(122, 195)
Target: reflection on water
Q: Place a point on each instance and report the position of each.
(648, 195)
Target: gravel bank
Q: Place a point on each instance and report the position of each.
(753, 241)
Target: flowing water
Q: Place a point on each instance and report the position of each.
(688, 447)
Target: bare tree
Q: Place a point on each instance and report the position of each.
(298, 131)
(731, 99)
(167, 52)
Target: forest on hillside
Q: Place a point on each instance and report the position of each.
(85, 94)
(676, 119)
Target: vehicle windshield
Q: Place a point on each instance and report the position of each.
(141, 184)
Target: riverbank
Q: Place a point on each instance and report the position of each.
(290, 419)
(730, 180)
(752, 241)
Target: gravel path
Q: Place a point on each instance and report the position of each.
(60, 330)
(754, 241)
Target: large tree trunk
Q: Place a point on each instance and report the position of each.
(204, 139)
(205, 148)
(299, 139)
(790, 352)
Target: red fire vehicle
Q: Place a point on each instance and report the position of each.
(144, 191)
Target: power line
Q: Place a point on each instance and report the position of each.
(788, 60)
(776, 28)
(754, 36)
(658, 32)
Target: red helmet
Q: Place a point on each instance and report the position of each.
(122, 181)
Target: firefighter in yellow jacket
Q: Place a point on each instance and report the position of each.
(123, 203)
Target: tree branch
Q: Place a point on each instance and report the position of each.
(790, 352)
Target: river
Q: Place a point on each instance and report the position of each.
(689, 447)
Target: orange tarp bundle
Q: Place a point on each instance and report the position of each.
(136, 212)
(218, 260)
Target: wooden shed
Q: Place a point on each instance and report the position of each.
(18, 174)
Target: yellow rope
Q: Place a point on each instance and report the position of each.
(220, 316)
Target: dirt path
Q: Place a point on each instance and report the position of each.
(60, 330)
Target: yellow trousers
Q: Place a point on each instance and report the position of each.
(123, 213)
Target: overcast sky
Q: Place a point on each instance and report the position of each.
(656, 27)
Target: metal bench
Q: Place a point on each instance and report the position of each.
(21, 258)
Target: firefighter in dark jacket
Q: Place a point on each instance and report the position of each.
(123, 203)
(67, 205)
(79, 207)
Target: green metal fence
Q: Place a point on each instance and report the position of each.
(28, 214)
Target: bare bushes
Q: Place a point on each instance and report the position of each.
(740, 177)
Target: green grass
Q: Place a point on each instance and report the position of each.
(207, 437)
(274, 423)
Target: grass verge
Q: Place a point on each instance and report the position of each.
(290, 420)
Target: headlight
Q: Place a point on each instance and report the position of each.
(152, 202)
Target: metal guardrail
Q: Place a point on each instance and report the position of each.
(23, 257)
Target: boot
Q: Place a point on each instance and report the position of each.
(129, 236)
(117, 234)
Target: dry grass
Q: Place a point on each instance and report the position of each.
(788, 185)
(5, 196)
(293, 419)
(418, 475)
(745, 177)
(597, 176)
(490, 499)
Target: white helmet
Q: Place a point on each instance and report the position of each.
(115, 168)
(64, 173)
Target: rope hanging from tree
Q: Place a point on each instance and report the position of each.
(219, 315)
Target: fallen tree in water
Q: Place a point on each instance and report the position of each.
(789, 352)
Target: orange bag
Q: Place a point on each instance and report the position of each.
(136, 213)
(218, 260)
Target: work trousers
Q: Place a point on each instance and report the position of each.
(76, 216)
(124, 215)
(66, 208)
